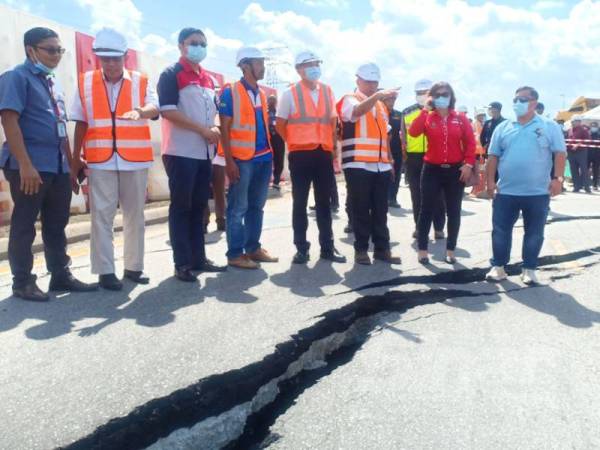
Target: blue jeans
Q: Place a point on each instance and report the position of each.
(245, 202)
(506, 212)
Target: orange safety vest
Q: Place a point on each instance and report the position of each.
(107, 133)
(477, 128)
(242, 135)
(366, 139)
(310, 126)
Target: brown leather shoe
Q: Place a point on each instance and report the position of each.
(243, 262)
(362, 258)
(387, 257)
(261, 255)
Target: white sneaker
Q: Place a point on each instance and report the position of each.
(529, 277)
(497, 273)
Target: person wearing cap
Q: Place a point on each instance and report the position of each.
(413, 153)
(447, 164)
(577, 152)
(248, 156)
(306, 119)
(495, 110)
(521, 150)
(35, 160)
(112, 112)
(396, 145)
(367, 163)
(186, 96)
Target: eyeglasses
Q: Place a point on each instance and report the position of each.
(441, 94)
(53, 50)
(522, 99)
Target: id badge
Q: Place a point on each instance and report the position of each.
(62, 129)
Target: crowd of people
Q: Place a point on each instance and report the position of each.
(240, 136)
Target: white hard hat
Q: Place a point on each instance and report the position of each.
(248, 53)
(480, 112)
(306, 57)
(462, 109)
(369, 72)
(109, 42)
(423, 85)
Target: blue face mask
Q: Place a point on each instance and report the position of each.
(441, 102)
(520, 109)
(47, 70)
(313, 73)
(196, 53)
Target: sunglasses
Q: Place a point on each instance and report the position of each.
(522, 99)
(53, 50)
(441, 94)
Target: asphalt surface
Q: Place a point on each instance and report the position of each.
(443, 361)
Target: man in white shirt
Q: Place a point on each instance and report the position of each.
(366, 160)
(111, 114)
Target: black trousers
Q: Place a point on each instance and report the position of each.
(278, 157)
(395, 183)
(369, 192)
(311, 167)
(414, 167)
(437, 182)
(52, 203)
(348, 205)
(594, 163)
(189, 188)
(578, 161)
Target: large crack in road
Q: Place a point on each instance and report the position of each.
(235, 409)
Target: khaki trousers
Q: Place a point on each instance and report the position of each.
(108, 190)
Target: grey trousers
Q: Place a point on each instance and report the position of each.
(110, 189)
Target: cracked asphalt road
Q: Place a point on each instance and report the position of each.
(510, 368)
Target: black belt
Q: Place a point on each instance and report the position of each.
(444, 166)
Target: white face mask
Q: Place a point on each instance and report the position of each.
(421, 99)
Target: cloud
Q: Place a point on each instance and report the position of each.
(326, 3)
(548, 5)
(485, 51)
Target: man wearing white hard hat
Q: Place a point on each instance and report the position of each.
(112, 112)
(367, 163)
(306, 119)
(414, 153)
(186, 94)
(248, 156)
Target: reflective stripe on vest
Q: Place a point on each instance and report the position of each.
(310, 126)
(242, 135)
(366, 139)
(414, 144)
(106, 133)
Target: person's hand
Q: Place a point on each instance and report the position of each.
(77, 165)
(30, 179)
(491, 189)
(555, 187)
(465, 173)
(388, 93)
(212, 135)
(134, 114)
(233, 171)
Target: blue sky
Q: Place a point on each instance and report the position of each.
(485, 49)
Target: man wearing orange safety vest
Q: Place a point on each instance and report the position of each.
(246, 148)
(306, 119)
(112, 129)
(367, 163)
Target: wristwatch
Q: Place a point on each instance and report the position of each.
(561, 179)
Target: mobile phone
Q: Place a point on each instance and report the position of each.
(81, 176)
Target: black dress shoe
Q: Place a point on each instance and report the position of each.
(31, 292)
(301, 258)
(137, 276)
(333, 256)
(185, 274)
(67, 282)
(110, 281)
(209, 266)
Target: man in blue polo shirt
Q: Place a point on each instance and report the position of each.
(249, 177)
(521, 151)
(35, 159)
